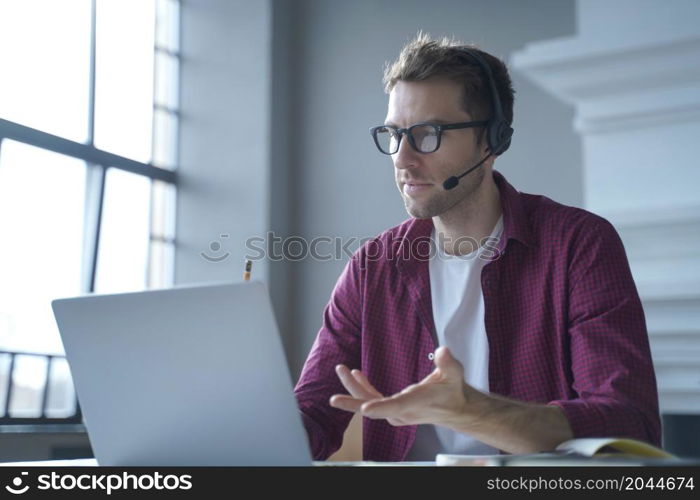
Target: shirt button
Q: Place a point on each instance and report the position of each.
(431, 356)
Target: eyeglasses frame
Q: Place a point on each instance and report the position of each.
(408, 133)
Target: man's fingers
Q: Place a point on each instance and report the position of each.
(351, 384)
(435, 376)
(391, 406)
(381, 408)
(406, 405)
(357, 385)
(447, 363)
(347, 403)
(397, 422)
(364, 381)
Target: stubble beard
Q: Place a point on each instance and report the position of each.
(444, 200)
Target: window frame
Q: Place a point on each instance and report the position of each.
(97, 163)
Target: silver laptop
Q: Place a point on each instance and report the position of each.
(190, 375)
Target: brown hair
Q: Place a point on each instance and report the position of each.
(424, 57)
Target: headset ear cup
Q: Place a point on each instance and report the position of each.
(502, 133)
(492, 136)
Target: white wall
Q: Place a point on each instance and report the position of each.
(342, 185)
(307, 76)
(224, 148)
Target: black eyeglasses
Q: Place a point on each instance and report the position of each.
(423, 137)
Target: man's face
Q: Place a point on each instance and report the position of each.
(419, 176)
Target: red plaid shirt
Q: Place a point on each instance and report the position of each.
(564, 322)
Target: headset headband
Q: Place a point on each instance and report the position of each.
(498, 131)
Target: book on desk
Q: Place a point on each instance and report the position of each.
(575, 452)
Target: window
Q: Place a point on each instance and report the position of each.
(88, 142)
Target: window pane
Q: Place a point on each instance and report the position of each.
(124, 77)
(5, 360)
(161, 264)
(167, 25)
(166, 80)
(122, 258)
(163, 214)
(28, 380)
(162, 249)
(165, 139)
(42, 197)
(61, 401)
(45, 61)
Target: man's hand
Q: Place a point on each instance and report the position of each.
(441, 398)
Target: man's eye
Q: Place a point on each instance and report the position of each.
(421, 132)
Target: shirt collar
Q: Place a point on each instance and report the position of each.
(516, 224)
(415, 249)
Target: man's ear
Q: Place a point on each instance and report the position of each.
(482, 143)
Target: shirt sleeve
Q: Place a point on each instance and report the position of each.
(338, 341)
(613, 374)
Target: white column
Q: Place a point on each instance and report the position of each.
(633, 74)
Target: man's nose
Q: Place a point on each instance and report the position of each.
(405, 156)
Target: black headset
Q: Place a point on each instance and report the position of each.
(498, 132)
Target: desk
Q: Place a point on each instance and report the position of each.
(91, 462)
(79, 462)
(567, 461)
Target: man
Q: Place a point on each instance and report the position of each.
(475, 351)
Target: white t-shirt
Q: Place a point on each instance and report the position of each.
(458, 313)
